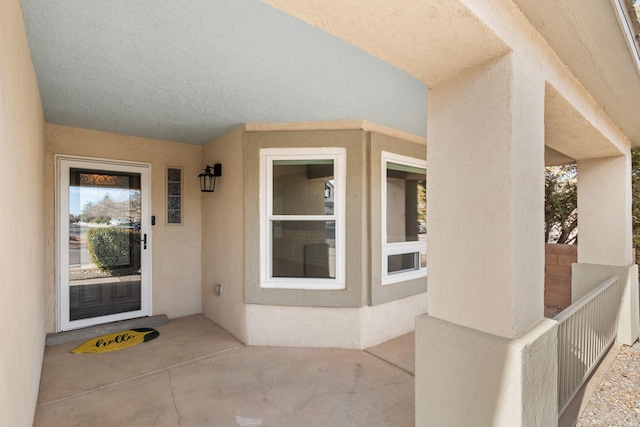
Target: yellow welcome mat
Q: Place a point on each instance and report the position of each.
(117, 341)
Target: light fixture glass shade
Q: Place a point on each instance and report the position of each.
(208, 178)
(207, 183)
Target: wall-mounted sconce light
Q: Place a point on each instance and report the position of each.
(208, 178)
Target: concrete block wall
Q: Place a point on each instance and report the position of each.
(557, 277)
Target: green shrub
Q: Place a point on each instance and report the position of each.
(113, 248)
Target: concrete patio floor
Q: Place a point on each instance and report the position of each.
(196, 374)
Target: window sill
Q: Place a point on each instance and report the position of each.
(304, 285)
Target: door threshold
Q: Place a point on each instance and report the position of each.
(107, 328)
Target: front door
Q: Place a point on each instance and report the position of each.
(104, 241)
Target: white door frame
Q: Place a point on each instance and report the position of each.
(63, 164)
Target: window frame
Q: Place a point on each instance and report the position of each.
(267, 157)
(398, 248)
(168, 196)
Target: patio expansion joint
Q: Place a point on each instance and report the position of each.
(388, 362)
(146, 374)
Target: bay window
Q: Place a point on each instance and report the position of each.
(404, 222)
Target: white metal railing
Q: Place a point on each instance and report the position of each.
(586, 330)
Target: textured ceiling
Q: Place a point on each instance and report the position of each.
(430, 39)
(189, 71)
(425, 38)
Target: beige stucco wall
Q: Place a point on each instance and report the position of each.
(604, 206)
(491, 122)
(576, 124)
(486, 244)
(22, 233)
(331, 327)
(176, 256)
(223, 236)
(480, 379)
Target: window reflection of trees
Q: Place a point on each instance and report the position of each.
(114, 198)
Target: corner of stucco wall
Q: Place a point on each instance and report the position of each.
(223, 232)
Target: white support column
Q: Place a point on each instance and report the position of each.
(605, 239)
(604, 209)
(485, 172)
(484, 354)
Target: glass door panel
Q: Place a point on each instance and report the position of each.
(103, 272)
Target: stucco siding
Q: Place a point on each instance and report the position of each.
(22, 260)
(176, 249)
(222, 236)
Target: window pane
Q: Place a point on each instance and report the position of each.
(104, 243)
(174, 174)
(304, 249)
(402, 262)
(173, 202)
(406, 203)
(174, 217)
(173, 188)
(174, 196)
(303, 187)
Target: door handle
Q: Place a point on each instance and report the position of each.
(144, 240)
